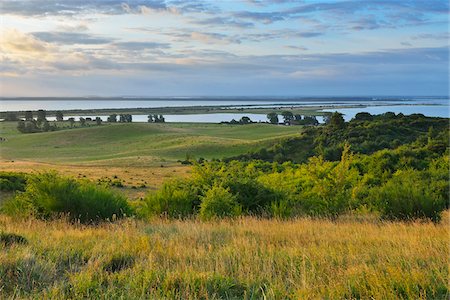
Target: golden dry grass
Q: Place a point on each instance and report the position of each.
(246, 258)
(151, 176)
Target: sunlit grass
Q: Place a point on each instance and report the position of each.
(244, 258)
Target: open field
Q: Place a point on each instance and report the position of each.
(137, 143)
(243, 259)
(138, 154)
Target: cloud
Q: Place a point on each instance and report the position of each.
(354, 14)
(432, 36)
(223, 21)
(42, 8)
(70, 38)
(206, 37)
(13, 41)
(296, 47)
(135, 46)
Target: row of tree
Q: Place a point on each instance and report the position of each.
(291, 119)
(156, 119)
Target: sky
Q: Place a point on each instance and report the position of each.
(224, 48)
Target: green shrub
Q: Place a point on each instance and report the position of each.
(253, 196)
(409, 195)
(175, 200)
(11, 181)
(218, 202)
(48, 195)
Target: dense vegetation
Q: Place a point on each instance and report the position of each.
(365, 133)
(408, 182)
(48, 196)
(405, 183)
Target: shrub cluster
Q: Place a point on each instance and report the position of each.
(48, 195)
(12, 181)
(406, 183)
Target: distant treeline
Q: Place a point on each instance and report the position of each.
(30, 124)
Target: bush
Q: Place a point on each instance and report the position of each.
(48, 195)
(408, 195)
(175, 200)
(218, 202)
(10, 181)
(250, 194)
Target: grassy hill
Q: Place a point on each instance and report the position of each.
(139, 143)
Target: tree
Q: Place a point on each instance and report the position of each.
(288, 116)
(363, 116)
(98, 121)
(273, 117)
(161, 119)
(150, 119)
(11, 116)
(112, 118)
(125, 118)
(59, 116)
(82, 121)
(21, 126)
(245, 120)
(310, 120)
(41, 116)
(337, 121)
(46, 126)
(28, 115)
(71, 121)
(31, 127)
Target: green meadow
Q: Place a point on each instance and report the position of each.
(138, 143)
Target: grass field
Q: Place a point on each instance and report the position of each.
(137, 143)
(244, 259)
(138, 153)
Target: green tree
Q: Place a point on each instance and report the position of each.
(150, 119)
(112, 118)
(59, 116)
(28, 115)
(71, 121)
(82, 121)
(337, 121)
(363, 116)
(46, 126)
(21, 126)
(41, 116)
(273, 117)
(98, 121)
(11, 116)
(245, 120)
(288, 116)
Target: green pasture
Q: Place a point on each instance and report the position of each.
(139, 143)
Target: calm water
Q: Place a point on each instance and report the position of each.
(429, 106)
(66, 104)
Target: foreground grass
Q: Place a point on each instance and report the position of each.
(246, 258)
